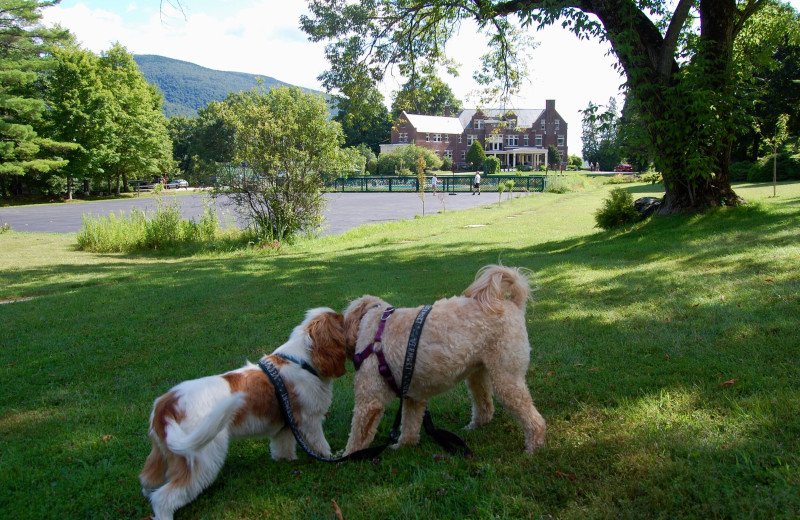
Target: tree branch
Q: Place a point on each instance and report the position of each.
(666, 59)
(748, 11)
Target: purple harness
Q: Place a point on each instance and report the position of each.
(375, 347)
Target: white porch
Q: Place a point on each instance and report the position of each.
(523, 156)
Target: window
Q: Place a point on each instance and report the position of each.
(494, 143)
(478, 124)
(448, 153)
(402, 137)
(526, 140)
(460, 139)
(542, 124)
(538, 140)
(446, 138)
(471, 138)
(437, 138)
(561, 140)
(427, 138)
(557, 123)
(463, 155)
(512, 140)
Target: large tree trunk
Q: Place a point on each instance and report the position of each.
(667, 97)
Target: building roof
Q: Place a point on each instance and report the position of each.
(526, 117)
(434, 124)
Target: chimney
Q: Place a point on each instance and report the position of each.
(447, 111)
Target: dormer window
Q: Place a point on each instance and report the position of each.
(478, 124)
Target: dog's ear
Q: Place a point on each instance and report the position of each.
(352, 319)
(328, 350)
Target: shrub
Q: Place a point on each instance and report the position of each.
(788, 168)
(739, 170)
(617, 210)
(447, 164)
(492, 165)
(403, 158)
(652, 177)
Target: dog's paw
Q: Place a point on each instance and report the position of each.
(284, 458)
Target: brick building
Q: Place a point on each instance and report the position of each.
(516, 137)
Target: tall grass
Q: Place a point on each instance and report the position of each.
(141, 231)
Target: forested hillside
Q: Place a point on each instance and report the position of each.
(187, 87)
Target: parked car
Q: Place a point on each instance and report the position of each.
(624, 167)
(137, 185)
(177, 183)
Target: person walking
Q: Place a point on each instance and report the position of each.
(434, 180)
(476, 184)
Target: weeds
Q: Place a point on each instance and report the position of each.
(161, 229)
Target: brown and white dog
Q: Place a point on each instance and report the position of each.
(191, 425)
(480, 336)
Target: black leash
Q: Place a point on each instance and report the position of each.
(286, 410)
(451, 442)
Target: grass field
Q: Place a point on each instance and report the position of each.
(665, 359)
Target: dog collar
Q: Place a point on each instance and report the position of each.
(305, 365)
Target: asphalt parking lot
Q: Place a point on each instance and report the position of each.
(344, 210)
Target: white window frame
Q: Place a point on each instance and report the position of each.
(478, 124)
(437, 138)
(427, 138)
(512, 140)
(402, 137)
(561, 141)
(463, 155)
(460, 138)
(446, 138)
(538, 140)
(448, 153)
(471, 138)
(525, 139)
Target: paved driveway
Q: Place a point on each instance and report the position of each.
(344, 210)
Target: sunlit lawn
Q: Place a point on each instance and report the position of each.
(664, 358)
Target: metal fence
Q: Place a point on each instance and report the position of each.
(447, 183)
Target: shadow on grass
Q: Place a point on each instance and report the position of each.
(628, 354)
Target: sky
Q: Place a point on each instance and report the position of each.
(263, 37)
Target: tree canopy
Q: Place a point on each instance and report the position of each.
(284, 142)
(677, 62)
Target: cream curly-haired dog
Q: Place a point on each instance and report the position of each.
(480, 336)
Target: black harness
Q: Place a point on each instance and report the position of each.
(449, 441)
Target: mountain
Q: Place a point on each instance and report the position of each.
(187, 87)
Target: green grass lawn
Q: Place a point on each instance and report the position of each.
(665, 358)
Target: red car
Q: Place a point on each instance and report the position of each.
(624, 167)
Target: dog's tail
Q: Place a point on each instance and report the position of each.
(183, 443)
(495, 283)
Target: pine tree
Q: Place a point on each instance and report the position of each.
(26, 157)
